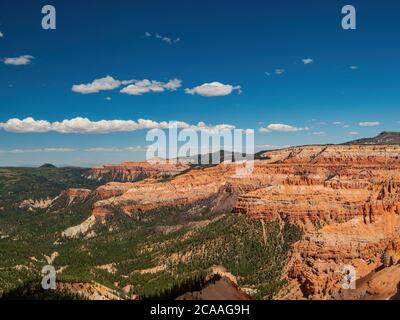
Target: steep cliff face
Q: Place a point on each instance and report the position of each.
(136, 171)
(75, 194)
(319, 258)
(152, 194)
(345, 198)
(312, 179)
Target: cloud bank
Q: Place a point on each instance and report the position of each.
(86, 126)
(37, 150)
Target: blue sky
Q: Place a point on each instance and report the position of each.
(257, 45)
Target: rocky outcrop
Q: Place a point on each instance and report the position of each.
(81, 229)
(90, 291)
(136, 171)
(151, 194)
(345, 198)
(75, 194)
(65, 198)
(32, 205)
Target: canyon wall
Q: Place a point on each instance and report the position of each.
(345, 198)
(136, 171)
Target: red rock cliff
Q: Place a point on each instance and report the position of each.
(345, 198)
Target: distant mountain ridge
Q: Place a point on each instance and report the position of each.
(384, 137)
(214, 158)
(48, 165)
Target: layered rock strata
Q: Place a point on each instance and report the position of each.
(345, 198)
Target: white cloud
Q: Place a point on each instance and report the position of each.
(84, 125)
(134, 87)
(279, 127)
(106, 149)
(50, 150)
(108, 98)
(1, 34)
(369, 124)
(307, 61)
(353, 67)
(339, 123)
(26, 125)
(139, 87)
(353, 133)
(102, 149)
(201, 126)
(279, 71)
(106, 83)
(318, 133)
(19, 61)
(213, 89)
(162, 38)
(173, 84)
(58, 150)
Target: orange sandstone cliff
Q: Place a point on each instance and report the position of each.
(346, 198)
(135, 171)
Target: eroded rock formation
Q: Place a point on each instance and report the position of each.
(345, 198)
(135, 171)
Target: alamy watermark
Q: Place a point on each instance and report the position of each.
(49, 277)
(349, 277)
(49, 20)
(349, 21)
